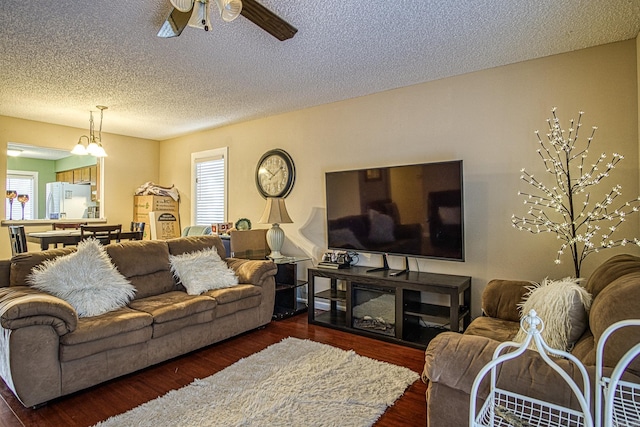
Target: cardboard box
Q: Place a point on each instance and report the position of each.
(164, 225)
(146, 204)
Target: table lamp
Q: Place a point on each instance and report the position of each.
(275, 213)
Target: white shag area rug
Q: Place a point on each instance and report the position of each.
(292, 383)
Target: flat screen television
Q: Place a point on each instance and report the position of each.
(410, 210)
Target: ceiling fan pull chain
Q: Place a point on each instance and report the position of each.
(205, 17)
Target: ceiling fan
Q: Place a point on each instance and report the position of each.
(195, 13)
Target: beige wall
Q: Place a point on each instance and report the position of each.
(486, 118)
(130, 163)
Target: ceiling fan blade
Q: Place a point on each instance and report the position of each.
(175, 23)
(267, 20)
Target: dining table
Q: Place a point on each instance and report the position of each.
(70, 237)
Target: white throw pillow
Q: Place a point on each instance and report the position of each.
(202, 271)
(86, 279)
(563, 306)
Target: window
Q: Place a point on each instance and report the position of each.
(22, 182)
(209, 186)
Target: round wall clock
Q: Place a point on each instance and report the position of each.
(275, 174)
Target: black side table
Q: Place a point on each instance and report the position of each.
(288, 286)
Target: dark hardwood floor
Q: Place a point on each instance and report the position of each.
(98, 403)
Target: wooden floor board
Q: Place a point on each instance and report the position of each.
(98, 403)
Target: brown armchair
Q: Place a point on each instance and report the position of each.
(453, 360)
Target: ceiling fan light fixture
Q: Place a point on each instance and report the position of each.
(200, 15)
(182, 5)
(229, 9)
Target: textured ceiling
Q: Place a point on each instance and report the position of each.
(61, 58)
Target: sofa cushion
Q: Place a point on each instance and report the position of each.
(139, 257)
(174, 310)
(115, 329)
(201, 271)
(183, 245)
(618, 301)
(610, 270)
(86, 279)
(145, 264)
(240, 297)
(500, 298)
(22, 264)
(236, 293)
(491, 327)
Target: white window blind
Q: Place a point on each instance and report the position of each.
(22, 183)
(210, 187)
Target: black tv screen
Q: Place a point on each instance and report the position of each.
(410, 210)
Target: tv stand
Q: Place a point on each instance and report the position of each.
(384, 306)
(385, 267)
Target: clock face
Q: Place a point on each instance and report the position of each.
(275, 174)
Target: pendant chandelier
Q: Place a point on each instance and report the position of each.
(94, 143)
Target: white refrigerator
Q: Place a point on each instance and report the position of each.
(66, 200)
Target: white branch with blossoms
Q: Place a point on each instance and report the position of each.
(577, 223)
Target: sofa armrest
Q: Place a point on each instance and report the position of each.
(22, 306)
(454, 360)
(255, 272)
(500, 298)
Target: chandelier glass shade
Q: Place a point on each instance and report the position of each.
(93, 143)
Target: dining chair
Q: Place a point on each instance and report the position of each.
(66, 226)
(103, 233)
(18, 239)
(138, 227)
(249, 244)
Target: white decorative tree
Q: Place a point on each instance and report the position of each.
(566, 208)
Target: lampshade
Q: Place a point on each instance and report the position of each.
(200, 15)
(275, 212)
(229, 9)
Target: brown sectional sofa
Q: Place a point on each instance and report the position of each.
(46, 351)
(453, 360)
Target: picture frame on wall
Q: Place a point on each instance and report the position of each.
(373, 175)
